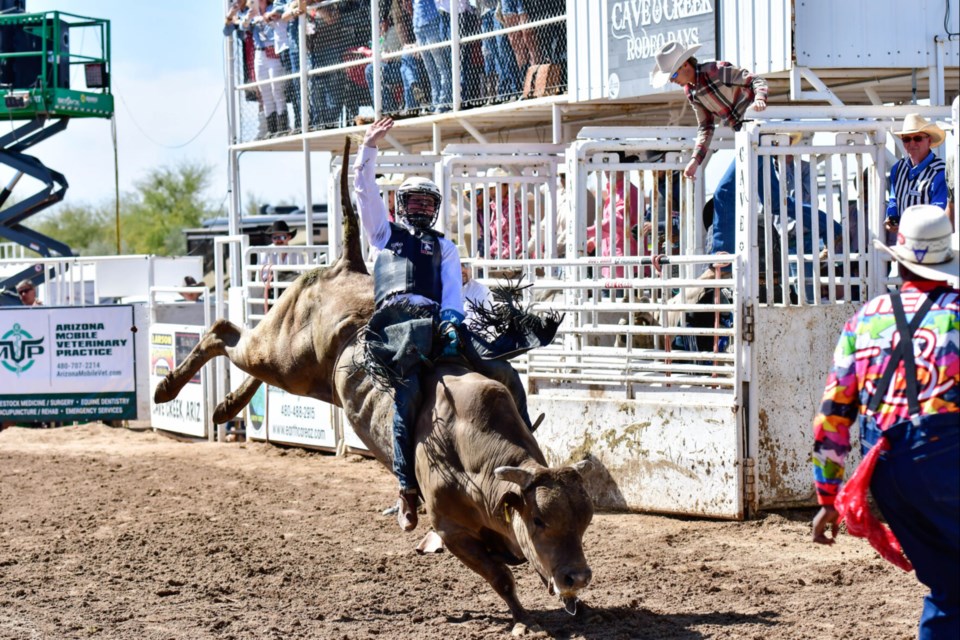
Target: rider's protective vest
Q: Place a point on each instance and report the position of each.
(409, 263)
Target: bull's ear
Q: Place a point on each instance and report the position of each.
(516, 475)
(583, 467)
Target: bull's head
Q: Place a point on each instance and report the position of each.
(549, 515)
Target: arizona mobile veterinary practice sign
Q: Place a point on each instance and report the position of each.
(638, 29)
(67, 363)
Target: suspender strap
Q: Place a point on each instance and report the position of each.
(903, 352)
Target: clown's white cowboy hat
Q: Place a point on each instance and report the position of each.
(915, 123)
(670, 58)
(924, 244)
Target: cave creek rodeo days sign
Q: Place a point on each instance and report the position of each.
(186, 414)
(639, 28)
(67, 363)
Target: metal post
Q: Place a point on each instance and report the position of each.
(308, 192)
(233, 168)
(304, 85)
(557, 120)
(377, 41)
(454, 52)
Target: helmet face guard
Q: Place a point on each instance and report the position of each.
(419, 217)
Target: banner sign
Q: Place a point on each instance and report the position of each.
(170, 344)
(639, 28)
(293, 419)
(61, 364)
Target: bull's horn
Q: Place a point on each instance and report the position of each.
(515, 475)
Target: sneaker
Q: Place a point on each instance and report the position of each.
(407, 511)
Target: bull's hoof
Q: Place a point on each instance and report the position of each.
(226, 410)
(162, 393)
(570, 604)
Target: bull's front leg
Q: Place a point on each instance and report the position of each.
(473, 552)
(235, 401)
(222, 334)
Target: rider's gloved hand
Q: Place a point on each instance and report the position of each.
(449, 322)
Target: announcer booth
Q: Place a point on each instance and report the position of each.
(65, 364)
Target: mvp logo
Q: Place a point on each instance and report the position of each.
(18, 349)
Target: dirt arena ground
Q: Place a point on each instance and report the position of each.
(113, 533)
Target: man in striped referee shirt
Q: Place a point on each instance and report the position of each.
(920, 177)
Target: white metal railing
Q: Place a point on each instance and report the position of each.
(12, 251)
(269, 271)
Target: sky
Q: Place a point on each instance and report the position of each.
(167, 81)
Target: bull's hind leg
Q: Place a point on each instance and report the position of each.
(236, 401)
(474, 553)
(222, 334)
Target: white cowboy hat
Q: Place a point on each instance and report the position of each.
(464, 254)
(915, 123)
(670, 57)
(923, 244)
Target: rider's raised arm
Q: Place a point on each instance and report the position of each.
(373, 211)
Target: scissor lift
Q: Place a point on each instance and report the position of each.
(35, 68)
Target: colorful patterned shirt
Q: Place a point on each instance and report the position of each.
(721, 90)
(865, 346)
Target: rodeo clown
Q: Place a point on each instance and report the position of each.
(417, 282)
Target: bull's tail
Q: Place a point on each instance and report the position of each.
(352, 255)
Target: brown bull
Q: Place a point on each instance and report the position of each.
(491, 496)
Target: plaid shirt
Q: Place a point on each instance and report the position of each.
(721, 90)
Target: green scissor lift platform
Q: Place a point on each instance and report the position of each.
(35, 84)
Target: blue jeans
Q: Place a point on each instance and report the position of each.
(396, 72)
(327, 89)
(436, 62)
(916, 485)
(406, 402)
(499, 57)
(725, 212)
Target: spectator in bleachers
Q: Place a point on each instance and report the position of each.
(266, 59)
(920, 178)
(621, 214)
(266, 63)
(428, 30)
(524, 42)
(235, 16)
(499, 62)
(325, 48)
(288, 13)
(398, 75)
(471, 57)
(28, 293)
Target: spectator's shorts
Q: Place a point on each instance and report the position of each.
(512, 7)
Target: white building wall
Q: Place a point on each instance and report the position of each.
(586, 44)
(756, 35)
(874, 33)
(765, 35)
